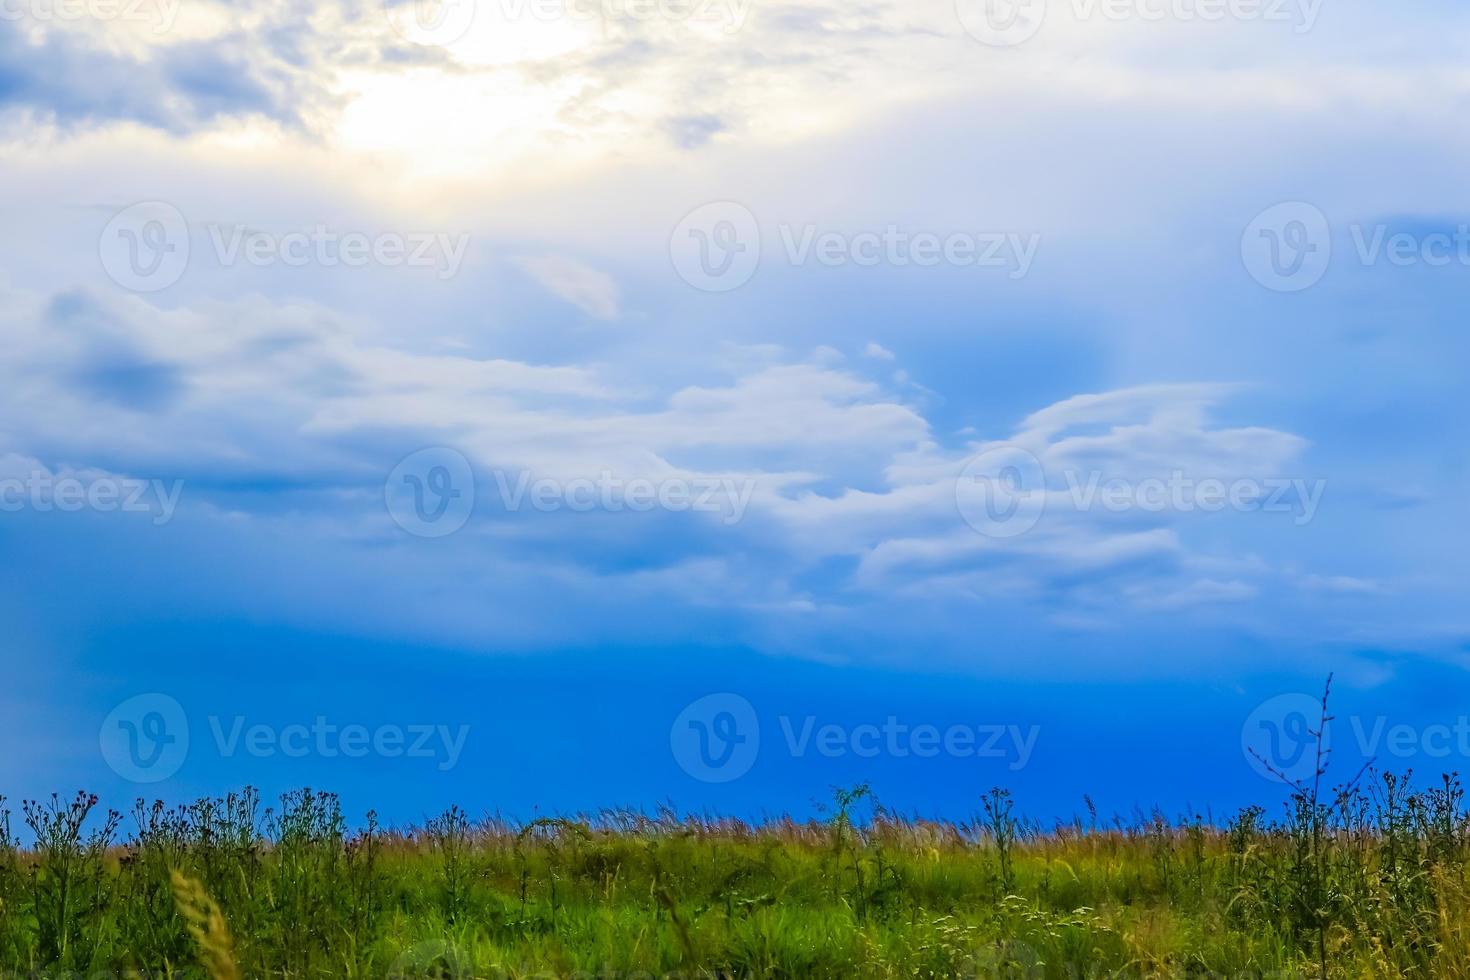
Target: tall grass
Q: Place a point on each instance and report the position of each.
(1371, 882)
(1363, 879)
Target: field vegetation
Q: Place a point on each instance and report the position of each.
(1364, 880)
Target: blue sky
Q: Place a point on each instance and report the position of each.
(591, 405)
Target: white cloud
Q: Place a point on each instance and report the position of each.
(551, 140)
(594, 293)
(853, 509)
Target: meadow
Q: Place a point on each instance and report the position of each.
(1367, 879)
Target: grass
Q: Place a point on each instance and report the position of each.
(1365, 880)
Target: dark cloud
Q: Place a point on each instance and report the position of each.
(145, 386)
(184, 87)
(109, 367)
(279, 69)
(691, 132)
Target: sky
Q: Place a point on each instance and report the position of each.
(548, 405)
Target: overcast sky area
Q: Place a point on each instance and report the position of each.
(564, 403)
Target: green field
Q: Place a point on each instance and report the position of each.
(1370, 881)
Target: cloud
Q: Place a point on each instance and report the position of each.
(1082, 549)
(285, 396)
(691, 132)
(268, 410)
(62, 77)
(594, 293)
